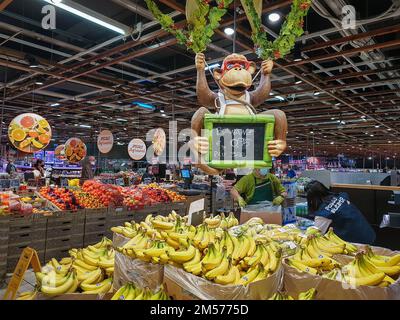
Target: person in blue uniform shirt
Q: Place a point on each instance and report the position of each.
(335, 210)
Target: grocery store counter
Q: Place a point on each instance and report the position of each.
(374, 202)
(365, 187)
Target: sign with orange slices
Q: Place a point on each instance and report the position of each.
(75, 150)
(105, 141)
(29, 132)
(59, 152)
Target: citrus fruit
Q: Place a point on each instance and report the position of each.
(27, 122)
(72, 143)
(37, 144)
(33, 134)
(18, 134)
(25, 143)
(43, 123)
(41, 130)
(68, 151)
(44, 138)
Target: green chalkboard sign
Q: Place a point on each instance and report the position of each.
(238, 141)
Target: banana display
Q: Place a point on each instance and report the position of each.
(89, 270)
(308, 295)
(206, 250)
(221, 221)
(28, 295)
(130, 292)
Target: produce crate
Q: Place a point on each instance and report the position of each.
(4, 231)
(96, 226)
(25, 231)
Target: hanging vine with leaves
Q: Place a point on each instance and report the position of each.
(291, 30)
(202, 20)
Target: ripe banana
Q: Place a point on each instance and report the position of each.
(183, 256)
(98, 288)
(53, 291)
(249, 276)
(231, 277)
(221, 269)
(301, 267)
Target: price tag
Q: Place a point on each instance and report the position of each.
(194, 213)
(15, 183)
(291, 245)
(119, 182)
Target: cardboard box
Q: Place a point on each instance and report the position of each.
(143, 274)
(76, 296)
(269, 217)
(181, 285)
(295, 282)
(119, 240)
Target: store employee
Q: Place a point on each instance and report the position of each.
(258, 186)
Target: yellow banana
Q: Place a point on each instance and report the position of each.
(183, 256)
(101, 287)
(231, 277)
(162, 225)
(121, 293)
(92, 277)
(249, 276)
(53, 291)
(301, 267)
(84, 265)
(371, 280)
(221, 269)
(252, 247)
(194, 260)
(255, 258)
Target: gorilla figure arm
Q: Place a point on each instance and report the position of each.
(261, 93)
(205, 96)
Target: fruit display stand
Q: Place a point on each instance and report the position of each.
(296, 282)
(25, 231)
(182, 285)
(65, 230)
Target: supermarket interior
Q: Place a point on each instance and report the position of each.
(199, 150)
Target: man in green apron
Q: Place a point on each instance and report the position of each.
(258, 186)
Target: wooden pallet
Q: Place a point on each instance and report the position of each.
(4, 234)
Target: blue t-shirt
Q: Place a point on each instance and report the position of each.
(347, 221)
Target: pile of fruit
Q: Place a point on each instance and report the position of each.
(87, 270)
(316, 256)
(10, 203)
(87, 200)
(138, 197)
(131, 292)
(308, 295)
(63, 198)
(108, 194)
(210, 252)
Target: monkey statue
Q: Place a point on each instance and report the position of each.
(234, 79)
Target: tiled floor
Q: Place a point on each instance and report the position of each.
(27, 285)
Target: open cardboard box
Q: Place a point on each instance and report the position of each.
(269, 217)
(295, 282)
(181, 285)
(76, 296)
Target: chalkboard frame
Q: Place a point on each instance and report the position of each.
(268, 120)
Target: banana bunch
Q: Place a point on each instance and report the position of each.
(224, 222)
(204, 236)
(382, 262)
(335, 239)
(28, 295)
(312, 260)
(58, 281)
(308, 295)
(361, 272)
(131, 292)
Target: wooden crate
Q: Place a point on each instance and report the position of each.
(93, 238)
(4, 232)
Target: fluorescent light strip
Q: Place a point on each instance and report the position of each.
(87, 17)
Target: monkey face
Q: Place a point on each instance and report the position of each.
(236, 74)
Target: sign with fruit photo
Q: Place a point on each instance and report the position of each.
(29, 132)
(75, 150)
(159, 141)
(105, 141)
(59, 152)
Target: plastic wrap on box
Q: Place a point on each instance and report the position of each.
(182, 285)
(295, 282)
(143, 274)
(119, 240)
(75, 296)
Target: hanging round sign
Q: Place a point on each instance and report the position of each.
(75, 150)
(105, 141)
(137, 149)
(29, 132)
(159, 141)
(59, 152)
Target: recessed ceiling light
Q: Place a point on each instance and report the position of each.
(229, 31)
(337, 104)
(333, 118)
(389, 141)
(39, 83)
(317, 93)
(377, 126)
(274, 17)
(54, 104)
(371, 135)
(298, 81)
(332, 142)
(312, 132)
(389, 129)
(363, 117)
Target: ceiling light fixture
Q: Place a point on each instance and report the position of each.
(54, 104)
(90, 15)
(317, 93)
(85, 126)
(32, 61)
(229, 31)
(123, 120)
(274, 17)
(144, 105)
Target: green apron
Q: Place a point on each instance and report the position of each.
(262, 192)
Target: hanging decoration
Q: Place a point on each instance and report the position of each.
(137, 149)
(29, 132)
(202, 20)
(105, 141)
(290, 31)
(75, 150)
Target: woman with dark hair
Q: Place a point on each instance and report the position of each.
(335, 210)
(38, 169)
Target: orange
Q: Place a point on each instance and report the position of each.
(72, 143)
(44, 138)
(33, 134)
(18, 134)
(68, 151)
(43, 123)
(27, 122)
